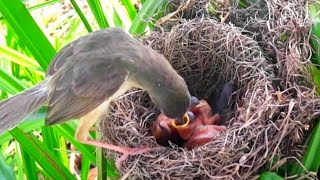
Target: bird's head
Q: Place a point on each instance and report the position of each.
(171, 97)
(167, 89)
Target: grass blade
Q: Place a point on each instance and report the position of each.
(27, 126)
(112, 171)
(120, 16)
(314, 10)
(20, 60)
(9, 83)
(30, 166)
(106, 168)
(311, 159)
(116, 18)
(19, 162)
(157, 11)
(18, 57)
(42, 155)
(85, 167)
(51, 140)
(140, 23)
(63, 150)
(97, 11)
(38, 6)
(81, 15)
(28, 31)
(101, 165)
(269, 176)
(68, 133)
(6, 172)
(130, 8)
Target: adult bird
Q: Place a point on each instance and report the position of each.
(88, 74)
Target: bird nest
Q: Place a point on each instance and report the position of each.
(271, 111)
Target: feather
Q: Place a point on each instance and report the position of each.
(16, 108)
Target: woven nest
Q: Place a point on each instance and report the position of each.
(271, 111)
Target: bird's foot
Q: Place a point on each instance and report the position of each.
(126, 151)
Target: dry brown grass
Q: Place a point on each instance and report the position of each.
(272, 108)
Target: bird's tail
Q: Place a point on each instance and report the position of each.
(16, 108)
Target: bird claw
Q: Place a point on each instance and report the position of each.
(132, 151)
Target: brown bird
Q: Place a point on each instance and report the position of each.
(92, 71)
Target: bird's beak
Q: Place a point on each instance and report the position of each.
(201, 104)
(194, 101)
(181, 122)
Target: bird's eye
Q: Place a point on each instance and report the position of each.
(194, 101)
(190, 115)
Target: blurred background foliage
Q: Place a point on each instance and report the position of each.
(31, 32)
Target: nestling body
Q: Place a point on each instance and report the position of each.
(92, 71)
(198, 129)
(199, 126)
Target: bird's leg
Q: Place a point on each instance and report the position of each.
(126, 151)
(82, 135)
(92, 129)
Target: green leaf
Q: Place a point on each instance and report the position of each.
(316, 76)
(20, 59)
(106, 167)
(42, 155)
(269, 176)
(157, 11)
(120, 16)
(314, 10)
(63, 150)
(140, 23)
(38, 6)
(28, 31)
(68, 133)
(101, 165)
(311, 159)
(29, 164)
(85, 167)
(97, 11)
(116, 18)
(9, 83)
(52, 141)
(130, 8)
(26, 126)
(81, 15)
(19, 162)
(6, 172)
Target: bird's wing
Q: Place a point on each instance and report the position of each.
(98, 40)
(87, 43)
(79, 88)
(60, 58)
